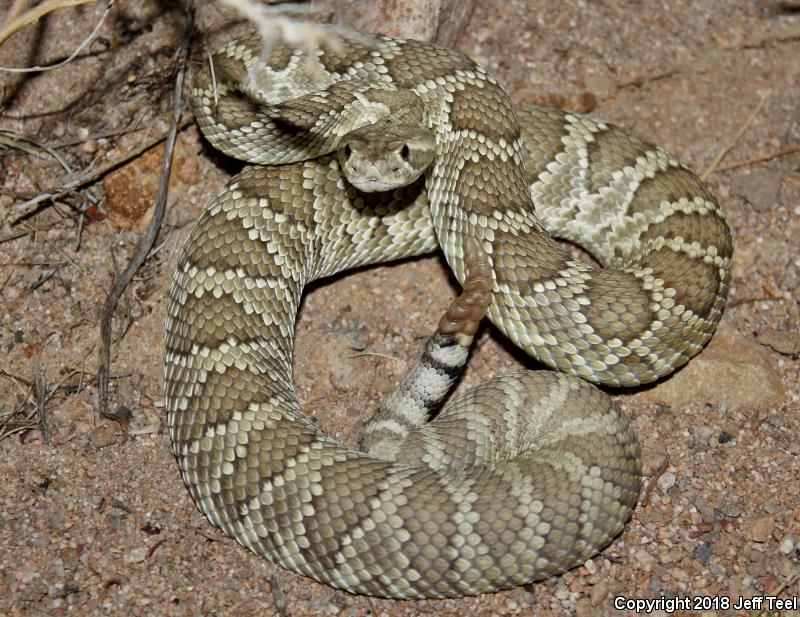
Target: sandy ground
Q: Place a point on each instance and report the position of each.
(95, 519)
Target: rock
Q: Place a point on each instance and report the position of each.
(644, 560)
(598, 593)
(704, 432)
(137, 555)
(584, 608)
(703, 552)
(34, 591)
(586, 103)
(761, 188)
(354, 340)
(383, 385)
(787, 545)
(561, 592)
(131, 190)
(732, 370)
(103, 436)
(26, 575)
(653, 460)
(342, 374)
(667, 480)
(786, 343)
(729, 428)
(760, 529)
(725, 437)
(441, 21)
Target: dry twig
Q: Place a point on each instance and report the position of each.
(278, 595)
(20, 419)
(37, 13)
(760, 159)
(41, 403)
(653, 480)
(61, 252)
(148, 240)
(721, 154)
(27, 208)
(31, 146)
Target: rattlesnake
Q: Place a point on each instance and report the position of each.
(505, 486)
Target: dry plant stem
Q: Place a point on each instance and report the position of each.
(788, 581)
(20, 234)
(10, 422)
(41, 402)
(13, 140)
(721, 154)
(39, 11)
(16, 8)
(652, 484)
(27, 208)
(278, 596)
(760, 159)
(37, 394)
(149, 238)
(375, 353)
(61, 252)
(100, 135)
(36, 13)
(16, 379)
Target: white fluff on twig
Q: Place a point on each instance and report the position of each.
(274, 28)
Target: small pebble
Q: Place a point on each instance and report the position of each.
(725, 437)
(598, 593)
(137, 555)
(653, 462)
(89, 146)
(103, 436)
(562, 593)
(760, 529)
(703, 553)
(644, 560)
(667, 480)
(354, 340)
(787, 545)
(704, 432)
(730, 427)
(26, 576)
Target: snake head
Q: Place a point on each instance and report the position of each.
(385, 156)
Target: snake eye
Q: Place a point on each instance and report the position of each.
(347, 151)
(404, 152)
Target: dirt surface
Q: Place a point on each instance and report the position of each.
(94, 517)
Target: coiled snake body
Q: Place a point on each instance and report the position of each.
(521, 478)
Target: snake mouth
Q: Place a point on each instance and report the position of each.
(367, 185)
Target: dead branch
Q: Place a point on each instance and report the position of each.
(760, 159)
(27, 208)
(742, 130)
(149, 238)
(37, 13)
